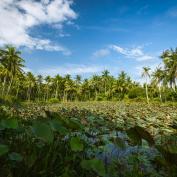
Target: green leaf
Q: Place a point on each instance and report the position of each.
(74, 124)
(43, 131)
(15, 157)
(145, 135)
(76, 144)
(58, 127)
(94, 164)
(9, 123)
(3, 149)
(136, 134)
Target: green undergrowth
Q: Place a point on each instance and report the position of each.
(91, 139)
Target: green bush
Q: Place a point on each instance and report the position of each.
(136, 93)
(9, 100)
(171, 95)
(54, 100)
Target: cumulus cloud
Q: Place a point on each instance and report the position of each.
(101, 53)
(18, 17)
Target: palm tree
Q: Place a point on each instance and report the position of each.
(78, 86)
(169, 58)
(12, 62)
(158, 77)
(95, 83)
(146, 74)
(48, 81)
(120, 85)
(57, 80)
(105, 76)
(30, 83)
(39, 81)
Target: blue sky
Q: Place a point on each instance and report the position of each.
(87, 36)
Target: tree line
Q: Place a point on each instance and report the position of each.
(15, 84)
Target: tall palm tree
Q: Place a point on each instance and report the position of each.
(146, 75)
(12, 62)
(105, 76)
(158, 77)
(169, 58)
(58, 80)
(78, 86)
(95, 83)
(48, 82)
(120, 85)
(39, 81)
(30, 83)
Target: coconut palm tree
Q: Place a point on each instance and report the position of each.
(39, 81)
(57, 81)
(146, 75)
(105, 76)
(158, 76)
(78, 86)
(30, 83)
(94, 84)
(169, 58)
(48, 80)
(13, 63)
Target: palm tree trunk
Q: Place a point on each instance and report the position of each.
(9, 87)
(147, 96)
(47, 97)
(66, 96)
(4, 85)
(39, 92)
(105, 89)
(28, 93)
(160, 94)
(56, 92)
(17, 91)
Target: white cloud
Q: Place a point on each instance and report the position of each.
(101, 53)
(136, 53)
(18, 17)
(71, 69)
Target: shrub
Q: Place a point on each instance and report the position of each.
(54, 100)
(136, 93)
(170, 95)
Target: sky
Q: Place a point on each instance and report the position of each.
(86, 37)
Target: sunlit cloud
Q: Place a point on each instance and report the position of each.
(18, 17)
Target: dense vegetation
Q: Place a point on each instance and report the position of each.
(99, 126)
(88, 139)
(15, 84)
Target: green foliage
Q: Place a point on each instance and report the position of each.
(9, 123)
(3, 149)
(94, 164)
(43, 131)
(88, 139)
(53, 100)
(15, 157)
(138, 133)
(137, 92)
(16, 85)
(76, 144)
